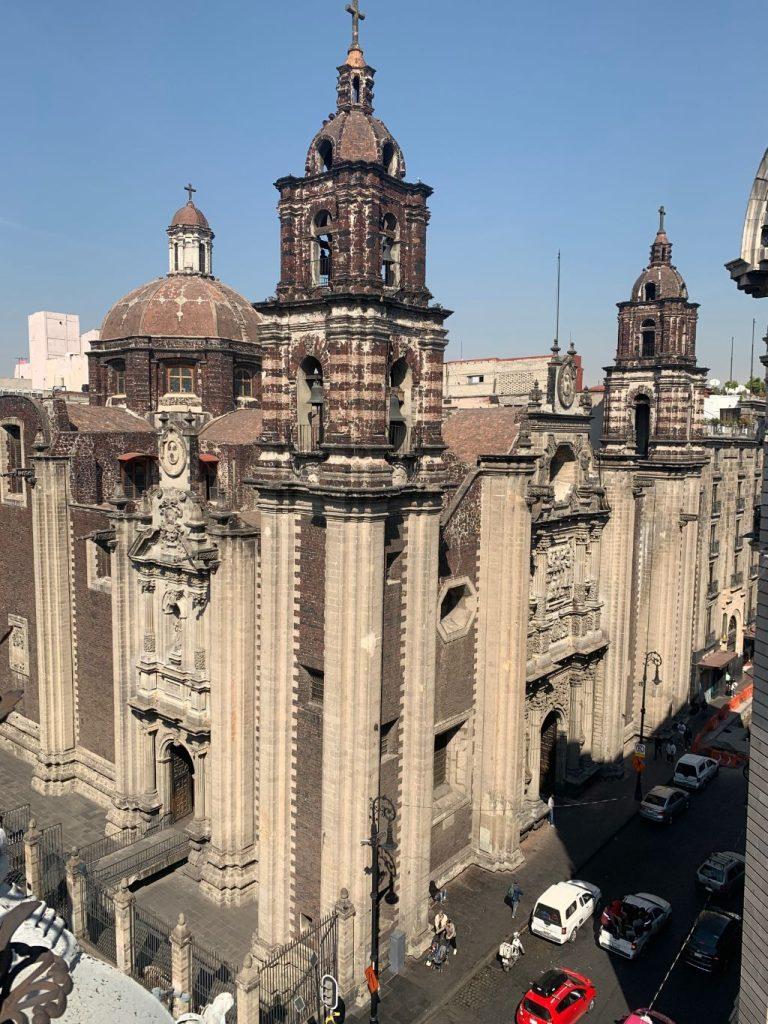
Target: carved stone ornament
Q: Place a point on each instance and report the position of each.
(559, 573)
(566, 384)
(18, 645)
(171, 516)
(34, 981)
(173, 453)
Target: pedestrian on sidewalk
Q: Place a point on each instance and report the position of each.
(514, 892)
(551, 811)
(688, 736)
(441, 920)
(450, 935)
(671, 751)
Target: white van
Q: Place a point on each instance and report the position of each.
(562, 909)
(693, 771)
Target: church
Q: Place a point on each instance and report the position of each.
(266, 573)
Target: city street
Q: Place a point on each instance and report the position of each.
(642, 857)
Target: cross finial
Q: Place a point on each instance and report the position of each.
(357, 17)
(189, 190)
(662, 215)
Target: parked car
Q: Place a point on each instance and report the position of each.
(629, 929)
(721, 872)
(714, 941)
(694, 771)
(664, 804)
(559, 996)
(562, 909)
(646, 1017)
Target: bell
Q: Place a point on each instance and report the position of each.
(395, 412)
(316, 395)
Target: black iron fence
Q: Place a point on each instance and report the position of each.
(16, 823)
(53, 862)
(107, 845)
(100, 918)
(210, 977)
(290, 981)
(151, 949)
(136, 864)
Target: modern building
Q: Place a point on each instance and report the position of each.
(750, 272)
(58, 353)
(475, 383)
(263, 577)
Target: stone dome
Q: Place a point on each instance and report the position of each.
(667, 280)
(182, 306)
(190, 216)
(355, 135)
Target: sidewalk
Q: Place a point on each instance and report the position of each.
(476, 898)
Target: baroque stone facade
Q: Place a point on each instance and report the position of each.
(263, 577)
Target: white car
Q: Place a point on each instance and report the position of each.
(630, 930)
(562, 909)
(693, 771)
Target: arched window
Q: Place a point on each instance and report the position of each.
(325, 153)
(389, 158)
(400, 382)
(390, 251)
(13, 459)
(243, 382)
(180, 380)
(562, 471)
(322, 253)
(648, 349)
(356, 88)
(118, 377)
(650, 291)
(642, 426)
(175, 255)
(201, 257)
(310, 405)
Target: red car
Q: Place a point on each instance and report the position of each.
(558, 997)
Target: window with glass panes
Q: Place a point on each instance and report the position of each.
(181, 380)
(13, 457)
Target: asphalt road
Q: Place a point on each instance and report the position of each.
(642, 857)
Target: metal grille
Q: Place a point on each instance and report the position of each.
(210, 977)
(100, 918)
(15, 823)
(107, 845)
(290, 982)
(151, 949)
(53, 859)
(134, 865)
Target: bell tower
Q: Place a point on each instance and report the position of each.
(350, 480)
(654, 401)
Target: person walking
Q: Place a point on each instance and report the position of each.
(450, 935)
(671, 750)
(514, 892)
(551, 811)
(441, 920)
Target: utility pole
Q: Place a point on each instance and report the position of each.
(752, 353)
(730, 375)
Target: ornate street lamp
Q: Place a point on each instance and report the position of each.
(382, 810)
(652, 658)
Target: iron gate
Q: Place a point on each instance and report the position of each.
(210, 977)
(290, 981)
(100, 918)
(53, 862)
(16, 823)
(151, 949)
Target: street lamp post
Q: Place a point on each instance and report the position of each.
(382, 810)
(653, 658)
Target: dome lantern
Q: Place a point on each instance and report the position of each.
(190, 240)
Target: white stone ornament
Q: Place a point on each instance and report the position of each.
(173, 453)
(566, 385)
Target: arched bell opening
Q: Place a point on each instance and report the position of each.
(399, 412)
(310, 405)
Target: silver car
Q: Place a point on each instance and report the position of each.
(664, 803)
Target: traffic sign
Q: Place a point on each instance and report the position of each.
(640, 749)
(329, 991)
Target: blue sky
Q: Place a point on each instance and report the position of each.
(538, 125)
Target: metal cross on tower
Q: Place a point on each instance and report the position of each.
(357, 17)
(662, 215)
(190, 190)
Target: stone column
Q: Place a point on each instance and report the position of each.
(75, 874)
(277, 731)
(504, 564)
(181, 965)
(148, 740)
(415, 811)
(575, 725)
(345, 912)
(230, 872)
(33, 859)
(124, 901)
(248, 983)
(354, 593)
(53, 601)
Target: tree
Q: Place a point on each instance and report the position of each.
(756, 385)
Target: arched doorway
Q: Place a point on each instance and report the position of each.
(182, 772)
(733, 629)
(548, 759)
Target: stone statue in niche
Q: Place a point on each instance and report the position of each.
(559, 573)
(174, 606)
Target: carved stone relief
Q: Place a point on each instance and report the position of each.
(559, 574)
(18, 645)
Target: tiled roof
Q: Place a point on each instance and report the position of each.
(100, 419)
(243, 426)
(470, 433)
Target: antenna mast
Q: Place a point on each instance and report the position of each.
(752, 353)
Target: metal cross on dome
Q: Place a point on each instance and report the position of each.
(662, 215)
(357, 17)
(189, 190)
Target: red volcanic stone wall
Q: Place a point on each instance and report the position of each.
(93, 630)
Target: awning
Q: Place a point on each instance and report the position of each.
(749, 632)
(8, 702)
(212, 460)
(717, 659)
(130, 456)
